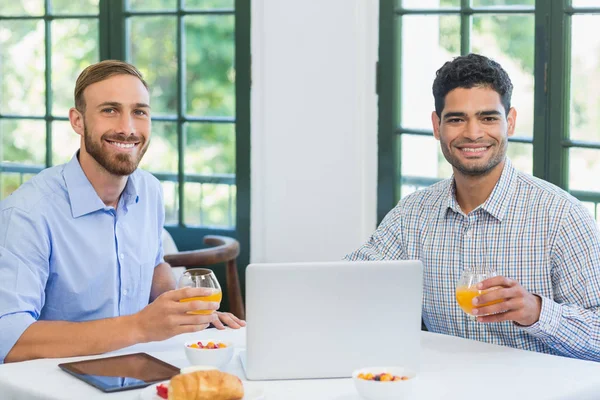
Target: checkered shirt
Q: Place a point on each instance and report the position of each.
(528, 230)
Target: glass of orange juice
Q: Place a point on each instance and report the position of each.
(466, 288)
(201, 278)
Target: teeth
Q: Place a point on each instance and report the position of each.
(469, 150)
(123, 145)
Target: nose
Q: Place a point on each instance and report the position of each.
(473, 129)
(126, 126)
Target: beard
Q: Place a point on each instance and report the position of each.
(476, 168)
(119, 164)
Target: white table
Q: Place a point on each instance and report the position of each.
(452, 368)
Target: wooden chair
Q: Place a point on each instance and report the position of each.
(224, 250)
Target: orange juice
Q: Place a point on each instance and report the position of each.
(465, 296)
(216, 297)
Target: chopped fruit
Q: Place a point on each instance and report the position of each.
(209, 345)
(162, 391)
(384, 377)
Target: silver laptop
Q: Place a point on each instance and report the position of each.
(326, 319)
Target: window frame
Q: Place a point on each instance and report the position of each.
(48, 16)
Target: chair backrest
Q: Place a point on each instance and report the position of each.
(169, 245)
(223, 250)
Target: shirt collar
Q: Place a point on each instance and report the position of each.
(130, 193)
(498, 202)
(82, 195)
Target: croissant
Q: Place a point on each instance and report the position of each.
(206, 385)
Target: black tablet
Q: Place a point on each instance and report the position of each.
(113, 374)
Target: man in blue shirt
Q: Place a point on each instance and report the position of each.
(81, 259)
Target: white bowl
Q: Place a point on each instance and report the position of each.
(209, 357)
(376, 390)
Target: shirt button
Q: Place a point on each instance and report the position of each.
(468, 233)
(125, 292)
(122, 256)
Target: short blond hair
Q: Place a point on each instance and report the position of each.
(99, 72)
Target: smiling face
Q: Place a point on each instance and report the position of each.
(115, 125)
(473, 130)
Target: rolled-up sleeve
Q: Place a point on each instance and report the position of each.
(24, 268)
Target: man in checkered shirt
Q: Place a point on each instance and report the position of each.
(542, 243)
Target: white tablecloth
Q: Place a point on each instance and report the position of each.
(452, 368)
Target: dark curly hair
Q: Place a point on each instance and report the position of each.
(470, 71)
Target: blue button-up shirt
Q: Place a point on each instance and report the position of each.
(528, 230)
(65, 255)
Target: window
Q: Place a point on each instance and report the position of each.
(195, 56)
(41, 52)
(549, 49)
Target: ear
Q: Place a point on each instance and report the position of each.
(511, 119)
(76, 119)
(435, 122)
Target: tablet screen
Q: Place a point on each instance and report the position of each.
(117, 373)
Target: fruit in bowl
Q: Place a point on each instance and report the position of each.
(383, 377)
(209, 352)
(208, 345)
(384, 383)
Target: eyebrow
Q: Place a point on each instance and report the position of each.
(117, 104)
(485, 113)
(488, 113)
(454, 115)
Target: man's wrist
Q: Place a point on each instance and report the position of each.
(535, 316)
(133, 324)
